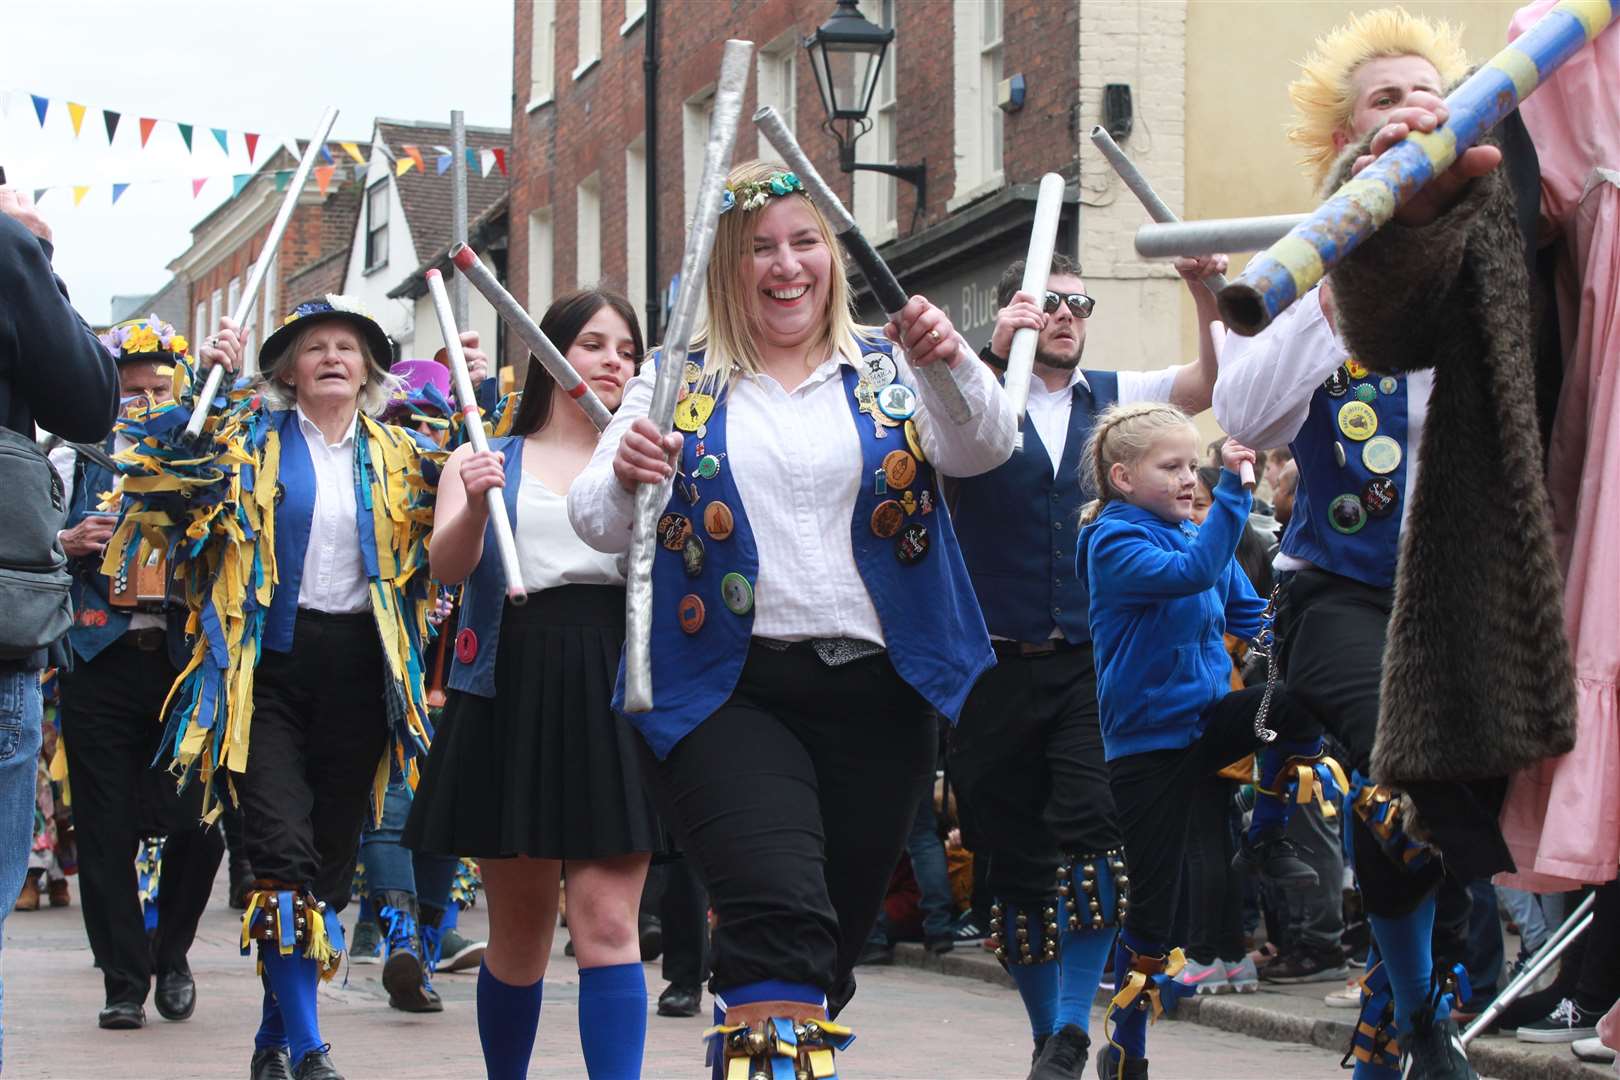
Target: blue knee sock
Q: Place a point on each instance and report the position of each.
(508, 1018)
(293, 980)
(1038, 986)
(1084, 953)
(1405, 943)
(1271, 812)
(450, 918)
(1130, 1024)
(272, 1032)
(613, 1020)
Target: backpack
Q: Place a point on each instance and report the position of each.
(34, 582)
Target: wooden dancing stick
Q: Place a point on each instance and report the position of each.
(890, 296)
(1155, 206)
(1290, 267)
(468, 404)
(1037, 266)
(728, 102)
(261, 266)
(512, 313)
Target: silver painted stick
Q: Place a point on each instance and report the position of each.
(250, 292)
(890, 297)
(1206, 237)
(1037, 266)
(1155, 206)
(638, 602)
(467, 402)
(512, 313)
(1572, 928)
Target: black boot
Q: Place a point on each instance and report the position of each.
(405, 973)
(316, 1065)
(1275, 858)
(1432, 1050)
(1064, 1055)
(271, 1063)
(1109, 1066)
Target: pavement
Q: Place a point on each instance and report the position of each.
(911, 1021)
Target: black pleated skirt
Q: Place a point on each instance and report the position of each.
(544, 768)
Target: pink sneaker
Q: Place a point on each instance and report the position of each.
(1242, 976)
(1203, 978)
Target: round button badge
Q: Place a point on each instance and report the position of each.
(673, 529)
(1379, 496)
(887, 518)
(913, 543)
(1338, 383)
(1388, 385)
(897, 401)
(1357, 420)
(466, 645)
(877, 370)
(900, 468)
(1381, 455)
(708, 466)
(914, 441)
(1366, 392)
(737, 594)
(692, 556)
(717, 520)
(1346, 514)
(689, 612)
(693, 411)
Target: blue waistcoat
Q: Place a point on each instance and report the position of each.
(96, 623)
(1328, 491)
(1018, 524)
(483, 598)
(932, 626)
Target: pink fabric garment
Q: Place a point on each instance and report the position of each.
(1562, 816)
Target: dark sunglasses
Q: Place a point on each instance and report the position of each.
(1080, 305)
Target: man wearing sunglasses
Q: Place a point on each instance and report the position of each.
(1026, 755)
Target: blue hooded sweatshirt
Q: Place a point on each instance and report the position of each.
(1162, 594)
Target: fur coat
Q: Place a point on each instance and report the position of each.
(1477, 680)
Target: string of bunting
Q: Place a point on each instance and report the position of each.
(146, 125)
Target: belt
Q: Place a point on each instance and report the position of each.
(335, 616)
(151, 639)
(1048, 647)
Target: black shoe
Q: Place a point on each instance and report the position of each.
(1275, 858)
(939, 946)
(680, 1000)
(1040, 1044)
(405, 979)
(317, 1066)
(873, 955)
(1432, 1050)
(1108, 1066)
(176, 996)
(122, 1016)
(651, 935)
(1302, 965)
(1064, 1055)
(271, 1063)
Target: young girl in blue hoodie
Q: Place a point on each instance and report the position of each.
(1163, 591)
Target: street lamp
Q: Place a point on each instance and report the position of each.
(846, 55)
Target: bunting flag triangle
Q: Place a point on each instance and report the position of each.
(472, 158)
(40, 105)
(238, 182)
(500, 158)
(79, 192)
(118, 190)
(403, 166)
(111, 119)
(326, 153)
(39, 193)
(185, 133)
(252, 144)
(443, 162)
(416, 155)
(323, 176)
(353, 150)
(197, 185)
(283, 178)
(76, 114)
(222, 137)
(147, 124)
(486, 159)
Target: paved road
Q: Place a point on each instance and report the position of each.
(910, 1024)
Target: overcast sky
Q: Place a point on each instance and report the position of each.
(243, 65)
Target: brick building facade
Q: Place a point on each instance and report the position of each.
(579, 165)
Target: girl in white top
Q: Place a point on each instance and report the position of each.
(530, 769)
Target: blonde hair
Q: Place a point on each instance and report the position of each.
(729, 327)
(1323, 95)
(378, 390)
(1122, 434)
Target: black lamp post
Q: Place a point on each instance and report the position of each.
(846, 54)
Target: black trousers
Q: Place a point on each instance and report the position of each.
(1213, 891)
(1027, 761)
(683, 912)
(1332, 633)
(320, 728)
(1151, 792)
(111, 722)
(793, 801)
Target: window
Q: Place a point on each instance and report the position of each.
(633, 11)
(588, 232)
(876, 195)
(635, 224)
(271, 314)
(200, 328)
(590, 35)
(540, 284)
(776, 86)
(977, 68)
(377, 226)
(542, 53)
(233, 295)
(215, 304)
(696, 116)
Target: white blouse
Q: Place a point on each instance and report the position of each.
(796, 457)
(549, 552)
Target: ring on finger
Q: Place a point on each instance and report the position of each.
(934, 334)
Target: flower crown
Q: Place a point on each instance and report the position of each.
(754, 194)
(333, 302)
(148, 335)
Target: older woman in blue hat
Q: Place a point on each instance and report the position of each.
(310, 598)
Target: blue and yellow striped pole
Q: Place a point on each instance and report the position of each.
(1288, 269)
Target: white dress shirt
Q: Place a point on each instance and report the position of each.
(1049, 410)
(797, 465)
(1263, 392)
(549, 552)
(334, 574)
(63, 459)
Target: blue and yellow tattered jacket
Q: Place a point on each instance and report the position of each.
(222, 509)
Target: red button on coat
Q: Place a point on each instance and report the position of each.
(466, 646)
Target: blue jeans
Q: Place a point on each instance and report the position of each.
(928, 866)
(391, 866)
(20, 708)
(1526, 910)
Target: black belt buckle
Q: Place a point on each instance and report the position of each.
(149, 639)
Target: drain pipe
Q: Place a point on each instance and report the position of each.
(649, 76)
